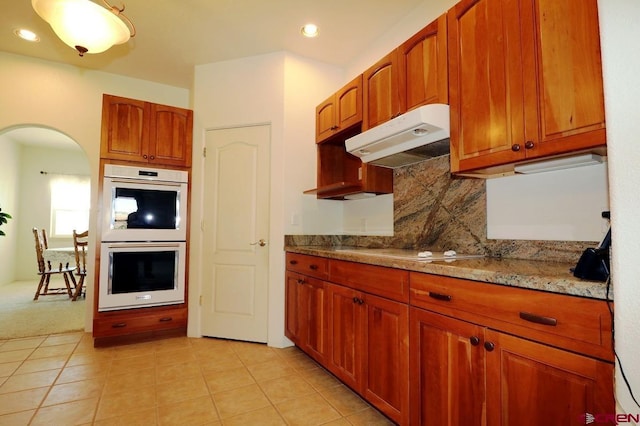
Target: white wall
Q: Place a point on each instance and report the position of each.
(561, 205)
(621, 65)
(9, 170)
(69, 99)
(282, 90)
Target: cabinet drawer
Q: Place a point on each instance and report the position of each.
(129, 323)
(308, 265)
(574, 323)
(380, 281)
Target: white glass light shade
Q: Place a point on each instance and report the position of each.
(83, 24)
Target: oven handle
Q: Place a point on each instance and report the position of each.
(133, 245)
(146, 182)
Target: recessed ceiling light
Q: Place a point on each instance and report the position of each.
(26, 34)
(309, 30)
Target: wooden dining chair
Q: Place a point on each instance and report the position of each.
(45, 269)
(80, 243)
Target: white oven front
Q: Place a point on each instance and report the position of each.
(144, 204)
(141, 274)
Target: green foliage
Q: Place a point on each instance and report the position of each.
(4, 217)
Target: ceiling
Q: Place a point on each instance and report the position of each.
(174, 36)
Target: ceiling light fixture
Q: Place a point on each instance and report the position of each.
(309, 30)
(27, 35)
(84, 25)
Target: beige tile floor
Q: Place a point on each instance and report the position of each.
(63, 380)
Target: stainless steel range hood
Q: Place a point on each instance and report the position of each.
(415, 136)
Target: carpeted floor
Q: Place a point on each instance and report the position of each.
(21, 316)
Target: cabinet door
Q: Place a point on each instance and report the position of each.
(446, 371)
(563, 386)
(170, 133)
(326, 119)
(293, 285)
(386, 357)
(313, 318)
(349, 104)
(345, 334)
(125, 129)
(423, 61)
(383, 99)
(485, 84)
(564, 99)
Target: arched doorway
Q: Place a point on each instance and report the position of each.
(34, 160)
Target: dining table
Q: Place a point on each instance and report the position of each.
(64, 256)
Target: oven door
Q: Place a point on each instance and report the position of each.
(138, 275)
(139, 210)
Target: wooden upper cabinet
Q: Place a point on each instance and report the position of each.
(423, 62)
(383, 98)
(412, 75)
(125, 128)
(525, 80)
(144, 132)
(341, 111)
(171, 134)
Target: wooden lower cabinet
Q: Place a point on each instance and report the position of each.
(305, 316)
(466, 374)
(532, 384)
(447, 371)
(139, 324)
(369, 348)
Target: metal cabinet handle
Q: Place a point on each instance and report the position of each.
(119, 325)
(165, 319)
(439, 296)
(538, 319)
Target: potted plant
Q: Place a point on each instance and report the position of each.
(3, 219)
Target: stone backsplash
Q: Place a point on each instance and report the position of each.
(433, 210)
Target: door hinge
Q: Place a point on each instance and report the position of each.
(204, 151)
(200, 302)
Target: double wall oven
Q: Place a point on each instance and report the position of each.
(143, 241)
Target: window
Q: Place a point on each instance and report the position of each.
(70, 203)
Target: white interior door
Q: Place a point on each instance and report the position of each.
(236, 231)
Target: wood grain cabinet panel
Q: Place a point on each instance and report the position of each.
(144, 132)
(305, 314)
(447, 371)
(424, 66)
(340, 112)
(525, 81)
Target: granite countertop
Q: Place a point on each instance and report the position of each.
(533, 274)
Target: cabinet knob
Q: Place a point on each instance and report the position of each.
(152, 157)
(313, 267)
(300, 280)
(489, 346)
(144, 156)
(334, 127)
(475, 340)
(528, 144)
(515, 147)
(293, 262)
(355, 300)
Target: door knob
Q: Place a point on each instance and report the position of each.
(260, 242)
